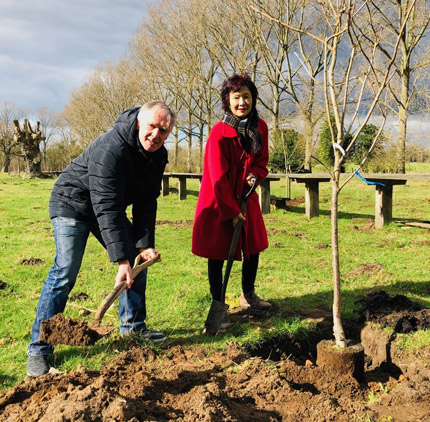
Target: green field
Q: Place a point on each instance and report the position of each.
(293, 273)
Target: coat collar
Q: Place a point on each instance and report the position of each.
(228, 131)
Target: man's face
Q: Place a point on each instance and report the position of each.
(153, 128)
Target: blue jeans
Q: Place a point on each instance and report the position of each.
(70, 240)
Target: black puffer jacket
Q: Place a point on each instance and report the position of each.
(111, 174)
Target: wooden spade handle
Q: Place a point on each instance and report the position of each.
(114, 294)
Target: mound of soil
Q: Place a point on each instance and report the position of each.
(63, 330)
(397, 312)
(184, 383)
(369, 269)
(32, 261)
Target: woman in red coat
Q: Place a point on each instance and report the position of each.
(236, 151)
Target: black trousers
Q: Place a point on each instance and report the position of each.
(249, 274)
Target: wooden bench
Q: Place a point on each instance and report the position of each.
(264, 193)
(312, 195)
(384, 194)
(182, 183)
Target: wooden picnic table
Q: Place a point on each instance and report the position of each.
(384, 194)
(312, 197)
(182, 183)
(383, 197)
(264, 192)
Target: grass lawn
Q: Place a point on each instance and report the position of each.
(294, 274)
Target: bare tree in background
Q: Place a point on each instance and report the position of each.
(48, 122)
(303, 63)
(93, 107)
(348, 64)
(387, 20)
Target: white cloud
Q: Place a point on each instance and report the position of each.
(48, 46)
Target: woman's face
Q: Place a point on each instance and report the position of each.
(241, 102)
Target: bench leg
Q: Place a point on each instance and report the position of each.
(182, 188)
(165, 186)
(312, 204)
(383, 205)
(264, 196)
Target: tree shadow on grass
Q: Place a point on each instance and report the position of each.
(349, 216)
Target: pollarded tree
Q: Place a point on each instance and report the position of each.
(29, 142)
(8, 113)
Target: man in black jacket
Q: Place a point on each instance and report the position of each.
(122, 167)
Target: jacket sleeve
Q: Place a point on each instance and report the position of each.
(259, 165)
(107, 191)
(218, 165)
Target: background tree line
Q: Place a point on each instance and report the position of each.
(184, 49)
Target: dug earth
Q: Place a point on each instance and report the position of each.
(279, 381)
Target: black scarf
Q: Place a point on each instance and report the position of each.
(249, 135)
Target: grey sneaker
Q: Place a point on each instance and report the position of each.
(251, 300)
(38, 366)
(154, 336)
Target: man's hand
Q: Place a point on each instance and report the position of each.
(124, 273)
(239, 217)
(148, 253)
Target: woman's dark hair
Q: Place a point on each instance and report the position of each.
(236, 83)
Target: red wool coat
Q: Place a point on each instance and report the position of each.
(226, 166)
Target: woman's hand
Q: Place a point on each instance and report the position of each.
(249, 179)
(239, 217)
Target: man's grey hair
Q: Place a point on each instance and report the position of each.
(163, 106)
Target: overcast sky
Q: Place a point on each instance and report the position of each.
(48, 47)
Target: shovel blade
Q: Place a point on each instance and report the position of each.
(215, 317)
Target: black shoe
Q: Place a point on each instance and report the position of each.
(154, 336)
(38, 366)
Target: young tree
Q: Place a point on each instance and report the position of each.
(346, 78)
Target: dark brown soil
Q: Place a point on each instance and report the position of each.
(279, 381)
(80, 297)
(63, 330)
(397, 312)
(32, 261)
(295, 201)
(178, 224)
(369, 269)
(3, 285)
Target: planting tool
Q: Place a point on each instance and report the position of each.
(114, 294)
(218, 309)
